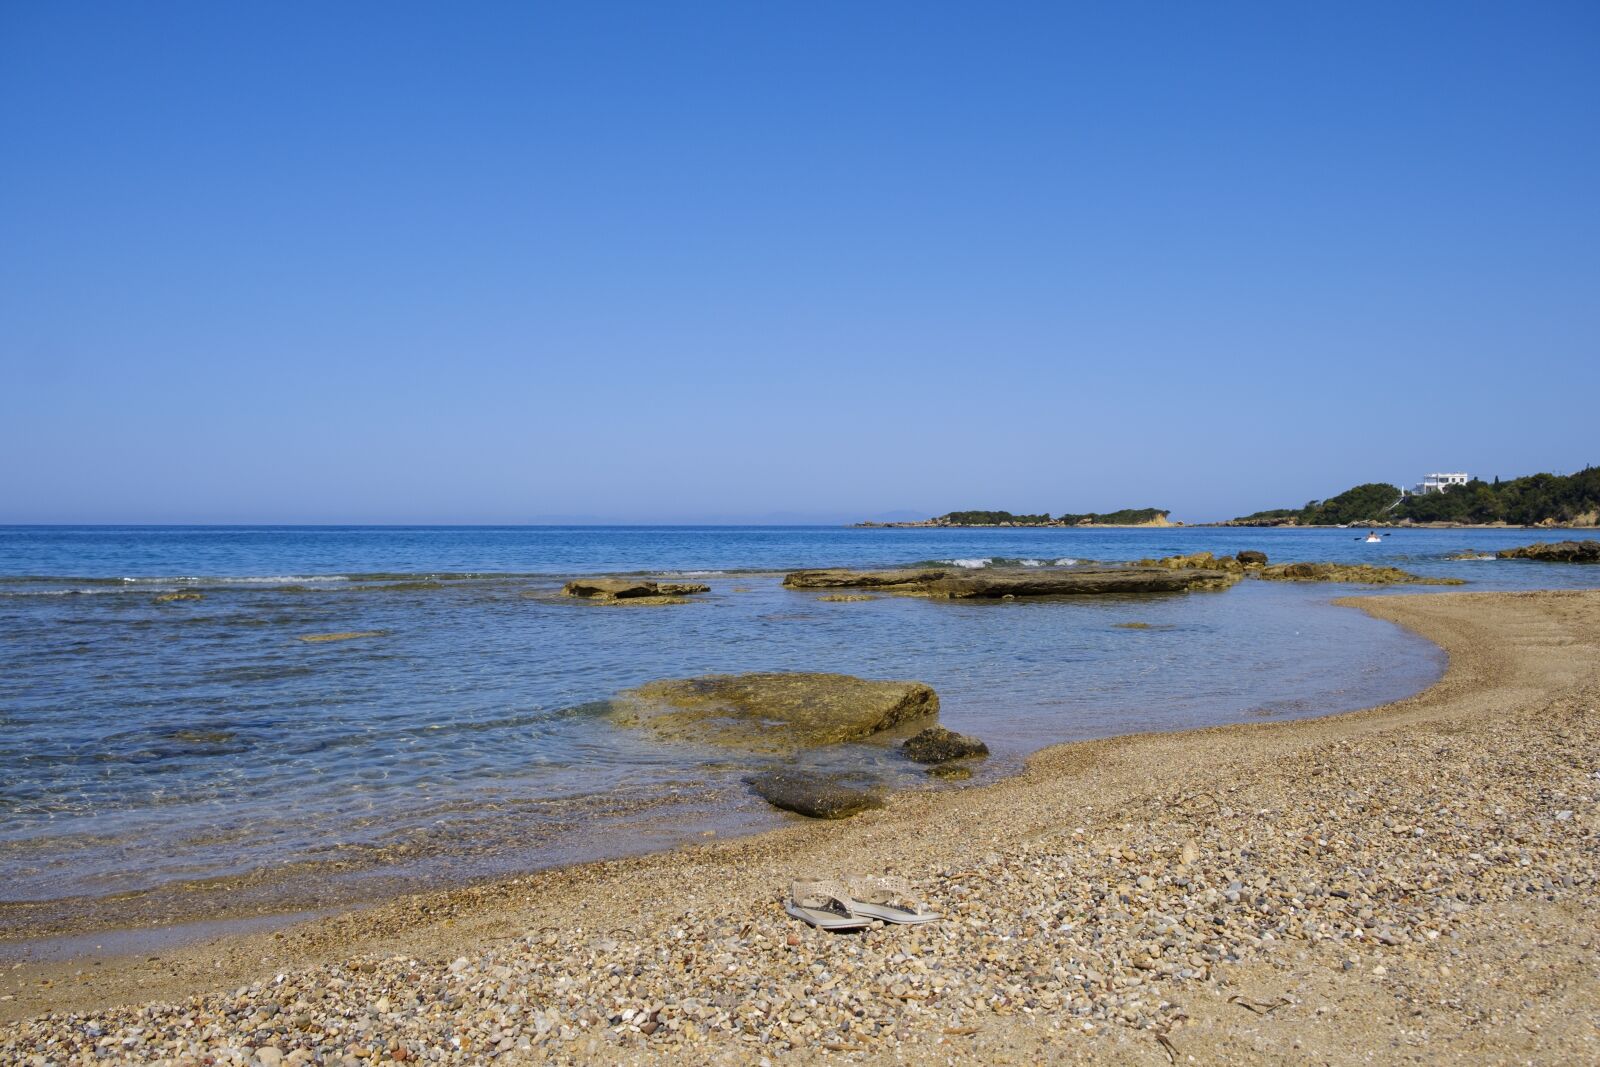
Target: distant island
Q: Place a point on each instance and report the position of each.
(1534, 500)
(1125, 517)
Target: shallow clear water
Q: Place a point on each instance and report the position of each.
(149, 743)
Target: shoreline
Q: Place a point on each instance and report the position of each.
(1518, 673)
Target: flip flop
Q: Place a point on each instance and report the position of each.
(893, 900)
(825, 905)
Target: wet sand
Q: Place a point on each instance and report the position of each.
(1415, 882)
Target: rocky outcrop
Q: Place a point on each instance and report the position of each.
(1364, 573)
(772, 712)
(1251, 558)
(1195, 561)
(816, 794)
(612, 589)
(939, 745)
(1556, 552)
(847, 579)
(997, 584)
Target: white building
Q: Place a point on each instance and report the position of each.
(1438, 483)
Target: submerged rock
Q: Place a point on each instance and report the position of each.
(1556, 552)
(168, 598)
(1469, 553)
(779, 712)
(998, 584)
(610, 589)
(844, 598)
(939, 745)
(1364, 573)
(956, 772)
(816, 794)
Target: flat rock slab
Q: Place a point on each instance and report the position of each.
(1364, 573)
(777, 712)
(1556, 552)
(1029, 582)
(608, 589)
(1076, 583)
(816, 794)
(847, 579)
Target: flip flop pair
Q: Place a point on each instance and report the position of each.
(856, 903)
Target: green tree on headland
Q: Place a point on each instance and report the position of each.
(1364, 503)
(1125, 517)
(1521, 501)
(992, 518)
(1526, 501)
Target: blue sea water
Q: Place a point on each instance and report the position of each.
(148, 744)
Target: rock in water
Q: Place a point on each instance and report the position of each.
(1251, 558)
(1556, 552)
(816, 794)
(837, 579)
(628, 588)
(1194, 561)
(1365, 573)
(780, 712)
(938, 745)
(998, 584)
(169, 598)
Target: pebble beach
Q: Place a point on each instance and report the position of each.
(1412, 883)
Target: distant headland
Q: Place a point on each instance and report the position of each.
(1125, 517)
(1549, 500)
(1534, 500)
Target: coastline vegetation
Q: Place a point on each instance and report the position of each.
(1124, 517)
(1537, 499)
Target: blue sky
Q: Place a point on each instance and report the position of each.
(735, 262)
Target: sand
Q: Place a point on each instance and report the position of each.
(1411, 883)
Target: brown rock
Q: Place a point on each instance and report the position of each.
(628, 588)
(939, 745)
(779, 712)
(816, 794)
(1556, 552)
(1364, 573)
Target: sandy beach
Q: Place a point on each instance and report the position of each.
(1411, 883)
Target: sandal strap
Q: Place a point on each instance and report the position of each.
(886, 890)
(821, 894)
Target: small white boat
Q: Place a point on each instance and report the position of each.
(1373, 538)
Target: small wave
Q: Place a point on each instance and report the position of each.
(689, 574)
(1007, 561)
(267, 579)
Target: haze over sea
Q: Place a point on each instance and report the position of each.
(151, 744)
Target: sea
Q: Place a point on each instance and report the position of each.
(164, 747)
